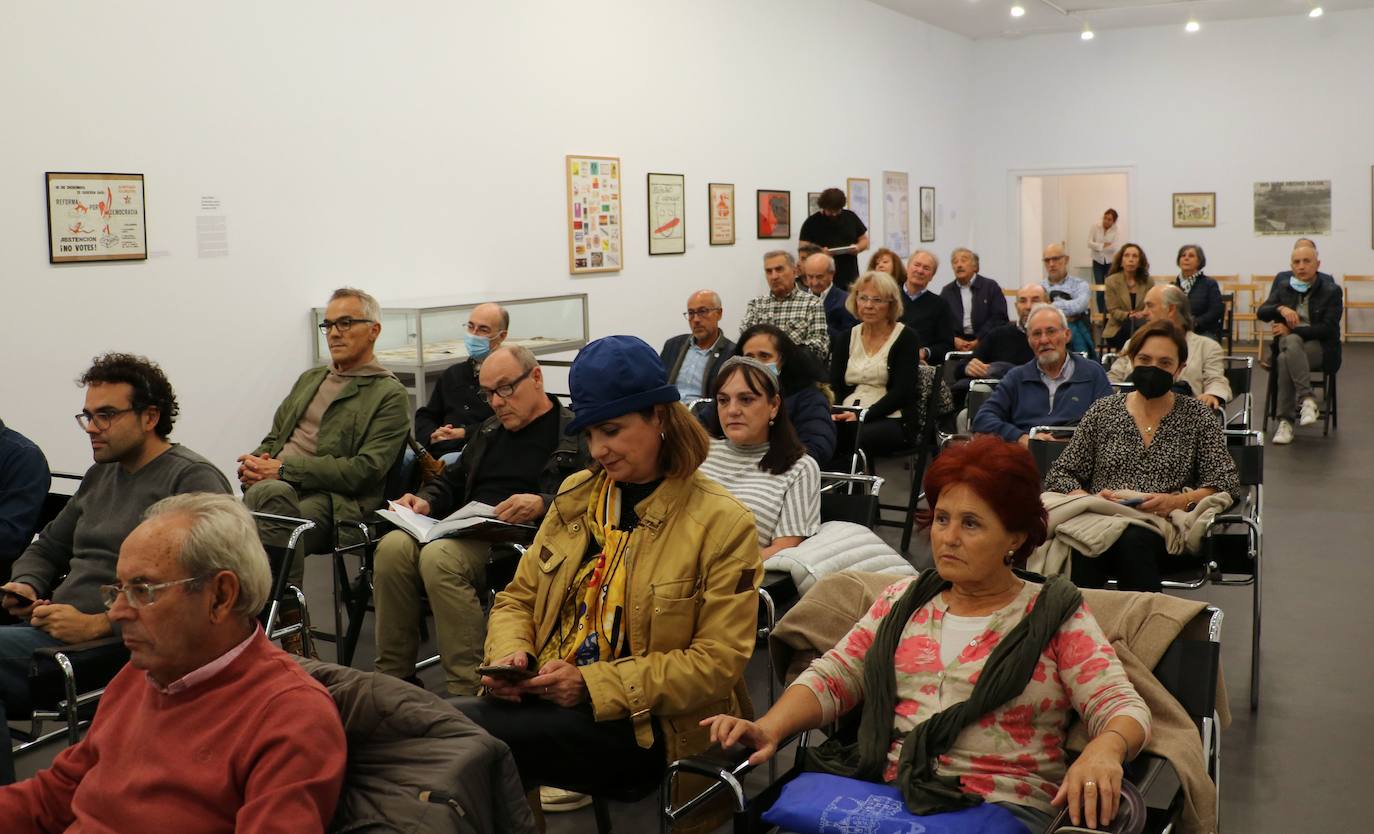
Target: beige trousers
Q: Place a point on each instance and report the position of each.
(452, 573)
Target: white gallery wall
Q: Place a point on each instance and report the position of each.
(1239, 102)
(416, 150)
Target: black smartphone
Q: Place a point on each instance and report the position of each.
(509, 673)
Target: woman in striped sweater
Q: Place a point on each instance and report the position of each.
(756, 455)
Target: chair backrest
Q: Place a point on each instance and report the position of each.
(1247, 450)
(1240, 374)
(1046, 451)
(852, 498)
(954, 360)
(978, 392)
(1192, 663)
(847, 457)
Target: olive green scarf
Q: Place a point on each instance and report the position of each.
(1005, 675)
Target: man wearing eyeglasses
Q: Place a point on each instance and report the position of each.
(333, 439)
(456, 408)
(514, 462)
(209, 727)
(1071, 295)
(692, 359)
(54, 586)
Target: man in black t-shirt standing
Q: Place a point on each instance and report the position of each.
(835, 227)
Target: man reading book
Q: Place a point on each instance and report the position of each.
(515, 462)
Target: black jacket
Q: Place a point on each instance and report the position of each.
(449, 491)
(903, 377)
(1204, 299)
(675, 349)
(455, 401)
(930, 317)
(989, 307)
(1324, 310)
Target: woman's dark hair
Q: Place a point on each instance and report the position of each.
(784, 447)
(897, 272)
(151, 388)
(799, 367)
(1003, 475)
(1201, 257)
(831, 199)
(1112, 212)
(1164, 328)
(1143, 270)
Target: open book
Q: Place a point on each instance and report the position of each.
(473, 520)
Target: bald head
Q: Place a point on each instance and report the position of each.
(1305, 263)
(1027, 297)
(818, 270)
(1166, 302)
(703, 316)
(1056, 262)
(490, 321)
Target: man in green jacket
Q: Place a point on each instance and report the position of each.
(334, 437)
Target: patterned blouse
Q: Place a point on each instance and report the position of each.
(1107, 452)
(1014, 753)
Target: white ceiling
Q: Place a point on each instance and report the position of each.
(992, 18)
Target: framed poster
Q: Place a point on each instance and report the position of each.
(813, 202)
(594, 219)
(667, 214)
(720, 196)
(856, 195)
(1293, 208)
(1195, 209)
(96, 217)
(897, 212)
(774, 214)
(927, 213)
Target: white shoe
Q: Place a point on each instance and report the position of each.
(1307, 415)
(553, 800)
(1283, 435)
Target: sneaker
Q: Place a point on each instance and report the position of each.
(1307, 415)
(1283, 435)
(554, 800)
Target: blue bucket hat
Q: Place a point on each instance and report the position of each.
(614, 376)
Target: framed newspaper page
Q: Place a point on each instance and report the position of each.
(96, 217)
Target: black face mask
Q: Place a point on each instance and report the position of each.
(1150, 381)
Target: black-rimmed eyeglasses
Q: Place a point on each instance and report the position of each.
(102, 418)
(504, 391)
(344, 324)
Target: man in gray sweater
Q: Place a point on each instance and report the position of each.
(128, 414)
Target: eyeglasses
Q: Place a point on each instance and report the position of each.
(140, 594)
(1056, 258)
(701, 312)
(872, 299)
(1046, 332)
(344, 324)
(504, 391)
(102, 418)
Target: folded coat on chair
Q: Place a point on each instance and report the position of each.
(837, 546)
(1091, 524)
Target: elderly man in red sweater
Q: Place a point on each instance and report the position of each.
(209, 728)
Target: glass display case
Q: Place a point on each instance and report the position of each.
(422, 337)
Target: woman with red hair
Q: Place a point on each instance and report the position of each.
(966, 676)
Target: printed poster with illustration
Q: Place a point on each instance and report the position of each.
(667, 210)
(96, 217)
(594, 218)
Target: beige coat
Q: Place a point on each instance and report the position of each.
(1118, 298)
(1204, 372)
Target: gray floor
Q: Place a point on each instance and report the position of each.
(1297, 764)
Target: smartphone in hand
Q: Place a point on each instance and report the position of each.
(507, 673)
(1131, 501)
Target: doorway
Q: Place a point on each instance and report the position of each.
(1062, 208)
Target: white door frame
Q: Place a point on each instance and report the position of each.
(1014, 176)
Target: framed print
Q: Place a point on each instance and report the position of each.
(96, 217)
(813, 202)
(720, 196)
(856, 195)
(1293, 208)
(927, 213)
(594, 219)
(897, 212)
(667, 214)
(774, 214)
(1195, 209)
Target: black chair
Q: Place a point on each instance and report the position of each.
(848, 456)
(1240, 375)
(1323, 381)
(1046, 444)
(1235, 543)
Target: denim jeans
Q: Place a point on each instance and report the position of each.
(17, 643)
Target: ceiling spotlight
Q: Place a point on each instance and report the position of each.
(1087, 33)
(1316, 12)
(1192, 26)
(1018, 10)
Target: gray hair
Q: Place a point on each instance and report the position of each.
(1175, 297)
(780, 253)
(932, 255)
(1040, 308)
(521, 354)
(222, 537)
(829, 261)
(371, 309)
(977, 262)
(714, 296)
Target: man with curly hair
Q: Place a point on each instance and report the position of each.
(128, 415)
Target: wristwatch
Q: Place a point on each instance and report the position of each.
(281, 471)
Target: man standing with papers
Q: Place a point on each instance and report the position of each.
(514, 462)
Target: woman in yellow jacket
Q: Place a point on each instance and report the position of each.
(636, 606)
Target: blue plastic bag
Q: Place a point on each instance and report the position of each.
(820, 803)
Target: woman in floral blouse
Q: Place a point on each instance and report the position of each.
(987, 518)
(1152, 447)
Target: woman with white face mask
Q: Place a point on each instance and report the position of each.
(1151, 449)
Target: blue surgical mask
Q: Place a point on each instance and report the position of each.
(772, 368)
(478, 346)
(1300, 286)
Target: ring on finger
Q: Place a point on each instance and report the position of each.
(1090, 784)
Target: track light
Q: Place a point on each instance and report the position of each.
(1316, 12)
(1018, 10)
(1087, 33)
(1192, 25)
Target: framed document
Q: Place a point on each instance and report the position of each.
(927, 214)
(594, 239)
(720, 196)
(858, 188)
(96, 217)
(1195, 209)
(667, 214)
(897, 212)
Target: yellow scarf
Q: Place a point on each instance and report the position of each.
(591, 623)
